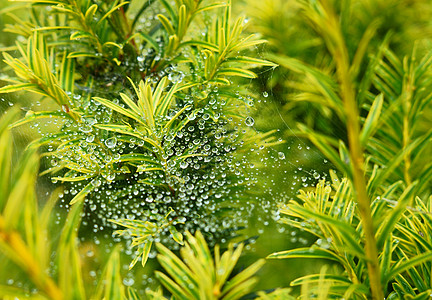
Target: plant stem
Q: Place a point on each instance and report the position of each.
(359, 182)
(338, 48)
(407, 158)
(408, 89)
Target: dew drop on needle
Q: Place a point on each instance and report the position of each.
(249, 121)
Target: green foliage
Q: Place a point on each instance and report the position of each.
(54, 270)
(202, 277)
(405, 87)
(145, 114)
(170, 150)
(24, 243)
(380, 101)
(330, 214)
(363, 23)
(148, 125)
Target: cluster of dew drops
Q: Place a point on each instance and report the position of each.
(196, 188)
(133, 200)
(204, 183)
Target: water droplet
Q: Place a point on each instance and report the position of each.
(249, 121)
(265, 94)
(96, 182)
(110, 176)
(90, 138)
(29, 114)
(85, 129)
(111, 142)
(191, 117)
(281, 155)
(128, 281)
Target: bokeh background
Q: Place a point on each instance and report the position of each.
(292, 165)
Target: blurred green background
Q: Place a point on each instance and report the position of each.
(296, 163)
